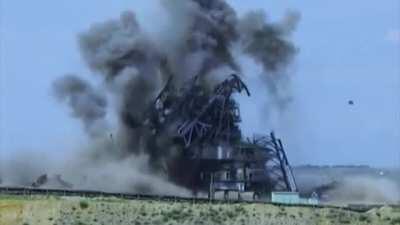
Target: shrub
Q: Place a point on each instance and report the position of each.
(83, 204)
(79, 223)
(363, 218)
(344, 221)
(395, 221)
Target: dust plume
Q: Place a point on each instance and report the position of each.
(365, 190)
(93, 167)
(135, 65)
(199, 41)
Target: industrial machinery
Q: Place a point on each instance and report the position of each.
(203, 121)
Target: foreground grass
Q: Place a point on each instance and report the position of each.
(110, 211)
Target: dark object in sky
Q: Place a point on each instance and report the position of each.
(351, 102)
(203, 124)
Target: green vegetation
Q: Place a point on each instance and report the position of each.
(395, 221)
(103, 211)
(83, 204)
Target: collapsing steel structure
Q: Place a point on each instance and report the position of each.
(204, 122)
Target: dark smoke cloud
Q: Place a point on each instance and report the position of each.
(110, 47)
(135, 65)
(86, 104)
(266, 42)
(210, 33)
(269, 45)
(126, 58)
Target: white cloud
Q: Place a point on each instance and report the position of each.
(393, 36)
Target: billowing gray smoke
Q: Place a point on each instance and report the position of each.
(267, 43)
(85, 102)
(135, 65)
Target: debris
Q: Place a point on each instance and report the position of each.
(216, 157)
(51, 182)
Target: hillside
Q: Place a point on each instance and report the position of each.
(109, 211)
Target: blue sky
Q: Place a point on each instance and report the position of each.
(349, 50)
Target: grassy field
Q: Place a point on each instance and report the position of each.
(110, 211)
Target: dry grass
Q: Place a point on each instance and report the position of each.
(111, 211)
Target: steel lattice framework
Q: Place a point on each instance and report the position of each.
(205, 122)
